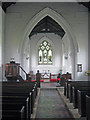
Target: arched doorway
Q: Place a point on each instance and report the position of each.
(62, 22)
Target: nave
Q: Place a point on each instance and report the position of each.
(51, 37)
(51, 103)
(25, 101)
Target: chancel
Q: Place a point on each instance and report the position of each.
(45, 60)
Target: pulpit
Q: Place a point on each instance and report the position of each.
(12, 70)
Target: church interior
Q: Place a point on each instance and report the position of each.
(44, 60)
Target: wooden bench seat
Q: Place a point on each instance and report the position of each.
(22, 93)
(22, 88)
(88, 107)
(18, 100)
(82, 102)
(16, 110)
(74, 94)
(24, 99)
(76, 86)
(13, 114)
(73, 83)
(25, 86)
(66, 86)
(16, 92)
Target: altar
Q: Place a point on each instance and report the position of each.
(45, 74)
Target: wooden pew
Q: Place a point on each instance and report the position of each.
(70, 86)
(17, 83)
(13, 114)
(66, 87)
(21, 92)
(84, 88)
(74, 94)
(24, 84)
(88, 107)
(15, 95)
(15, 110)
(82, 102)
(18, 99)
(17, 89)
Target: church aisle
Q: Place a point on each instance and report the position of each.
(51, 105)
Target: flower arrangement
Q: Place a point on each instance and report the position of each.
(87, 72)
(60, 71)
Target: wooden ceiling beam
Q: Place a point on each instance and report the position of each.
(5, 5)
(48, 25)
(86, 4)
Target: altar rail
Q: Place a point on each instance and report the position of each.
(53, 77)
(44, 75)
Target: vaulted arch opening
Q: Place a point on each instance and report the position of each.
(48, 23)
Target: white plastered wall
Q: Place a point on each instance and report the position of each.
(68, 55)
(2, 18)
(20, 22)
(56, 44)
(2, 33)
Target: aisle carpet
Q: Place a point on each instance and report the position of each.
(51, 105)
(48, 85)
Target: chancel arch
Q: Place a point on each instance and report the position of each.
(61, 21)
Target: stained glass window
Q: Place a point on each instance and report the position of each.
(45, 53)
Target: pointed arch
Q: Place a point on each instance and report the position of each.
(55, 16)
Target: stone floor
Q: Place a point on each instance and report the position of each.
(70, 105)
(61, 92)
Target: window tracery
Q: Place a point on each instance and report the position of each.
(45, 53)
